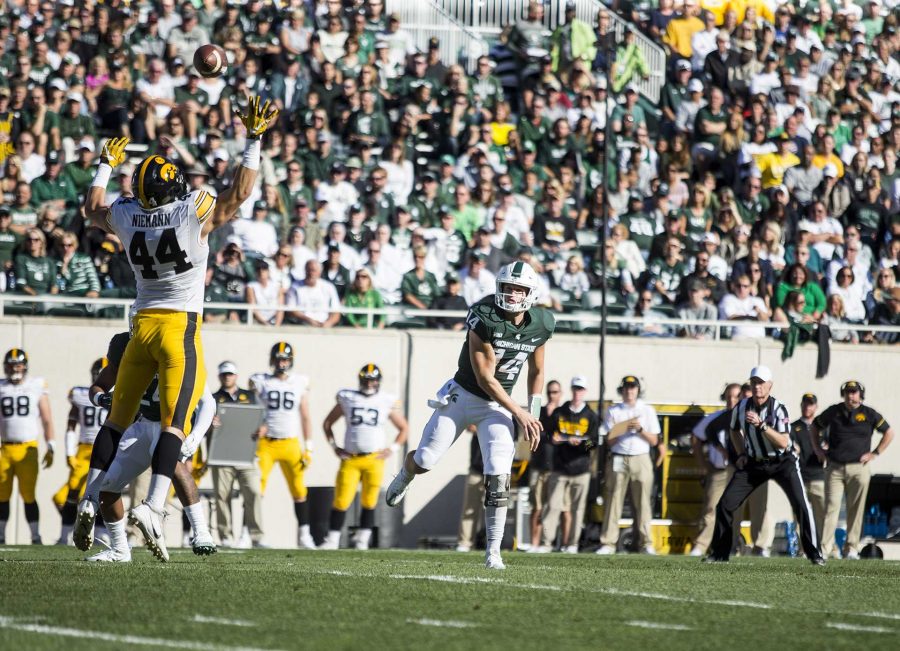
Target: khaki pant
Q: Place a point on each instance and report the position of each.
(624, 472)
(716, 481)
(762, 528)
(248, 481)
(472, 509)
(567, 493)
(815, 493)
(854, 478)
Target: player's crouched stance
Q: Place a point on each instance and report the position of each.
(503, 332)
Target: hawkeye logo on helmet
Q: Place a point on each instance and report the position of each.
(168, 172)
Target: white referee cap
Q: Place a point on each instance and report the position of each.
(226, 368)
(763, 373)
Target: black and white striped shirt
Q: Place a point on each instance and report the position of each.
(773, 414)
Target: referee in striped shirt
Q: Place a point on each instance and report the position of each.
(760, 432)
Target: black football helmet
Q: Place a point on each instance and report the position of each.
(281, 351)
(98, 366)
(158, 181)
(369, 379)
(13, 357)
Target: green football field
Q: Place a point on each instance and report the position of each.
(51, 599)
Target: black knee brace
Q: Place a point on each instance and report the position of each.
(496, 490)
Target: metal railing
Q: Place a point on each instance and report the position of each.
(425, 18)
(489, 17)
(582, 319)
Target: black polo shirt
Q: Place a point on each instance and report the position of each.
(850, 431)
(241, 396)
(569, 459)
(811, 469)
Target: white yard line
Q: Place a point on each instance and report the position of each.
(691, 600)
(441, 623)
(860, 629)
(63, 631)
(446, 578)
(667, 627)
(204, 619)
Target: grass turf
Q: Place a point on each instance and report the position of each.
(51, 599)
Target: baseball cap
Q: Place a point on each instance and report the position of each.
(711, 237)
(59, 84)
(260, 205)
(323, 136)
(529, 146)
(4, 211)
(447, 159)
(74, 97)
(86, 143)
(354, 163)
(451, 277)
(763, 373)
(831, 170)
(630, 381)
(220, 154)
(52, 158)
(695, 86)
(434, 43)
(227, 368)
(809, 398)
(579, 381)
(683, 64)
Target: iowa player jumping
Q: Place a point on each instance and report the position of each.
(504, 332)
(164, 229)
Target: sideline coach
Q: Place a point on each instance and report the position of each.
(760, 432)
(850, 426)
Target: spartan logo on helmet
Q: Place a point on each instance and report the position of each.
(15, 364)
(281, 358)
(157, 181)
(369, 379)
(516, 274)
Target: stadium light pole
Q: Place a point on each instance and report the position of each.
(610, 53)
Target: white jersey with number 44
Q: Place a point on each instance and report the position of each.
(20, 419)
(90, 417)
(166, 249)
(365, 416)
(281, 399)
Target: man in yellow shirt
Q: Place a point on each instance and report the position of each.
(680, 30)
(773, 166)
(825, 155)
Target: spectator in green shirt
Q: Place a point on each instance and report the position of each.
(53, 186)
(8, 240)
(419, 287)
(72, 122)
(35, 272)
(81, 171)
(362, 294)
(76, 273)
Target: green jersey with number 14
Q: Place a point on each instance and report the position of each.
(512, 344)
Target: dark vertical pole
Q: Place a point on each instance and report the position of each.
(607, 131)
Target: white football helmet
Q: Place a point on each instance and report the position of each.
(520, 274)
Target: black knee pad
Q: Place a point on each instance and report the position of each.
(496, 490)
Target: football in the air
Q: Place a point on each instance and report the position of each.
(210, 60)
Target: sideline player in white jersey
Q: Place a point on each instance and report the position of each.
(24, 409)
(164, 230)
(85, 420)
(504, 331)
(362, 457)
(285, 396)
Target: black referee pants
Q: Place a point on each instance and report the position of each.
(786, 473)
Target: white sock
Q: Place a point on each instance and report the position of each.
(35, 533)
(304, 531)
(494, 524)
(65, 534)
(197, 517)
(159, 491)
(118, 539)
(363, 536)
(94, 482)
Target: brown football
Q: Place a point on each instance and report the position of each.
(210, 60)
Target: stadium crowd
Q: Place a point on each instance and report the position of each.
(763, 187)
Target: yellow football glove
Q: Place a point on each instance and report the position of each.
(113, 152)
(258, 118)
(305, 459)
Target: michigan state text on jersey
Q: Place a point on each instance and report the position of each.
(503, 333)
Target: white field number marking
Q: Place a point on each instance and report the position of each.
(441, 623)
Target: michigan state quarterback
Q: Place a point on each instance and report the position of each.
(504, 331)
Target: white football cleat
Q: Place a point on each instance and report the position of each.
(606, 550)
(570, 549)
(305, 541)
(83, 532)
(696, 552)
(396, 491)
(149, 522)
(492, 561)
(648, 549)
(203, 545)
(852, 555)
(259, 544)
(111, 556)
(331, 543)
(463, 548)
